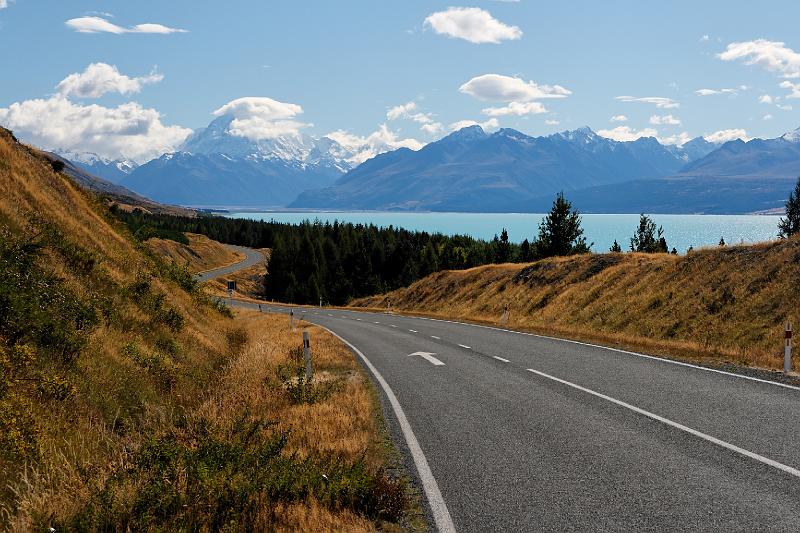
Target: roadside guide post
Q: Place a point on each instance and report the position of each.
(504, 318)
(787, 350)
(307, 354)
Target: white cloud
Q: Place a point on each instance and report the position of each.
(499, 88)
(712, 92)
(406, 111)
(434, 128)
(618, 118)
(625, 133)
(667, 120)
(259, 118)
(491, 124)
(767, 117)
(766, 99)
(552, 122)
(380, 141)
(399, 111)
(128, 130)
(3, 4)
(94, 24)
(771, 55)
(659, 101)
(784, 107)
(705, 38)
(794, 89)
(723, 136)
(515, 108)
(471, 24)
(101, 78)
(678, 139)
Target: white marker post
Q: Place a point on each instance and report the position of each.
(787, 350)
(504, 318)
(307, 354)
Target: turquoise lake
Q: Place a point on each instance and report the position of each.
(681, 231)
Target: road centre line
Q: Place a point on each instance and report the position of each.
(732, 447)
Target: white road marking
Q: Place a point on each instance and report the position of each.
(441, 515)
(394, 326)
(760, 458)
(376, 322)
(428, 357)
(501, 359)
(618, 350)
(330, 314)
(358, 319)
(465, 346)
(435, 337)
(413, 331)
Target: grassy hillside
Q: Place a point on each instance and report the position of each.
(722, 304)
(123, 403)
(198, 254)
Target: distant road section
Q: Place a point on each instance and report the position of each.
(253, 258)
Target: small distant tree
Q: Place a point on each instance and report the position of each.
(503, 248)
(674, 251)
(690, 249)
(647, 238)
(791, 224)
(615, 247)
(560, 232)
(722, 241)
(525, 251)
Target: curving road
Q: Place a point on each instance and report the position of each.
(252, 258)
(509, 431)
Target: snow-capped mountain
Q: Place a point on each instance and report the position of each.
(215, 167)
(113, 170)
(300, 150)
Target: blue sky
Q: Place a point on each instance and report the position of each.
(347, 64)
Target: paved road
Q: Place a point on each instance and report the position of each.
(252, 258)
(517, 432)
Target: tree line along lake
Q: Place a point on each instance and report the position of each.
(681, 231)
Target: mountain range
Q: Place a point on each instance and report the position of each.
(468, 170)
(471, 170)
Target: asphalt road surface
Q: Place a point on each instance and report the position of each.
(252, 258)
(509, 431)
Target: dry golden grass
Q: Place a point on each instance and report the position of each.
(719, 305)
(249, 281)
(94, 435)
(199, 255)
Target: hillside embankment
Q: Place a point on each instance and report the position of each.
(198, 255)
(718, 305)
(130, 400)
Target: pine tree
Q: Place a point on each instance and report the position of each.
(560, 232)
(647, 239)
(791, 224)
(503, 248)
(616, 247)
(525, 251)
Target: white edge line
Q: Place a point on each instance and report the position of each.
(435, 337)
(441, 514)
(667, 421)
(501, 359)
(465, 346)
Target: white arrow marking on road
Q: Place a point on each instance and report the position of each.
(428, 357)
